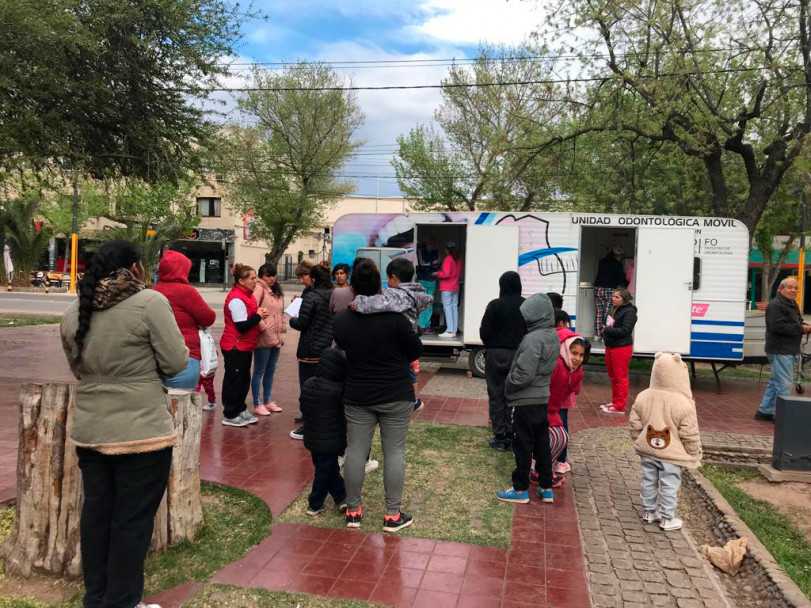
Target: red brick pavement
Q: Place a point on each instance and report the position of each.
(542, 567)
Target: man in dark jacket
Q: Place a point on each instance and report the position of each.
(502, 329)
(325, 434)
(784, 331)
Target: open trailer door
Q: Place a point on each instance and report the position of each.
(490, 252)
(664, 289)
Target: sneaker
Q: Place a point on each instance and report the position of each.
(261, 410)
(273, 408)
(237, 421)
(298, 419)
(610, 409)
(562, 467)
(446, 335)
(418, 405)
(341, 506)
(371, 465)
(546, 494)
(142, 605)
(341, 461)
(671, 525)
(557, 481)
(318, 511)
(533, 478)
(764, 417)
(502, 445)
(393, 524)
(512, 495)
(248, 417)
(650, 517)
(297, 433)
(209, 406)
(353, 518)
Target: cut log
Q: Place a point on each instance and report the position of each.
(45, 536)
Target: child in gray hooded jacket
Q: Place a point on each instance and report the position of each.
(527, 394)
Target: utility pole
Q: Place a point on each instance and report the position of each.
(74, 237)
(801, 261)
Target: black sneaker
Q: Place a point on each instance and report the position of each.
(418, 405)
(353, 518)
(298, 433)
(298, 419)
(764, 417)
(391, 524)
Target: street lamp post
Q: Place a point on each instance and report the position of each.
(74, 237)
(801, 261)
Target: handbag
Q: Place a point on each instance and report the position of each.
(208, 354)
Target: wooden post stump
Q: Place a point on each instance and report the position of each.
(45, 537)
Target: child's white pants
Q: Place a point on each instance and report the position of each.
(660, 482)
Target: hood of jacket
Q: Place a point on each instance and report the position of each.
(509, 284)
(331, 365)
(174, 267)
(670, 374)
(538, 312)
(564, 333)
(567, 336)
(116, 287)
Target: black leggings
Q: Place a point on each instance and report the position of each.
(237, 381)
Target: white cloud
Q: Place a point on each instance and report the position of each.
(473, 21)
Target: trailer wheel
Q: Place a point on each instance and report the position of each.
(800, 388)
(476, 361)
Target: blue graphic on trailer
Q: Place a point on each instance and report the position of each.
(532, 256)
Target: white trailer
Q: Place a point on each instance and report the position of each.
(690, 273)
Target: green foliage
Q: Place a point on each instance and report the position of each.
(112, 86)
(283, 169)
(26, 242)
(776, 531)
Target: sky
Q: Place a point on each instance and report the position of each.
(375, 30)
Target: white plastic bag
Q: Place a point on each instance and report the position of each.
(208, 354)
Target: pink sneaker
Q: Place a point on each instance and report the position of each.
(272, 407)
(562, 467)
(260, 410)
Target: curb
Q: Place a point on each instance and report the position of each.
(780, 590)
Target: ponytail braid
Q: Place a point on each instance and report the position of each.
(112, 256)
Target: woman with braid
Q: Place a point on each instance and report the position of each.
(119, 337)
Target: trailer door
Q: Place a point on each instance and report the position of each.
(664, 289)
(490, 252)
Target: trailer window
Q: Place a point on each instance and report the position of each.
(696, 273)
(381, 256)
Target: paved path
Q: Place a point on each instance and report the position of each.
(544, 565)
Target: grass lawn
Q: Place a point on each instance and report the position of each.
(213, 596)
(233, 522)
(451, 479)
(21, 320)
(774, 529)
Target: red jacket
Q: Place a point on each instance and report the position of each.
(191, 311)
(231, 336)
(564, 385)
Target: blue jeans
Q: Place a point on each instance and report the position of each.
(780, 383)
(425, 315)
(450, 303)
(264, 365)
(187, 379)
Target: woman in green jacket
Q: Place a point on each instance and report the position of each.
(118, 337)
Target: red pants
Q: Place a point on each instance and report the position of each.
(617, 360)
(208, 386)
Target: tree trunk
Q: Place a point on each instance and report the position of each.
(45, 537)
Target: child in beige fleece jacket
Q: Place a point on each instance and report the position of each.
(665, 431)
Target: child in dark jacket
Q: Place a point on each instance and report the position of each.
(325, 432)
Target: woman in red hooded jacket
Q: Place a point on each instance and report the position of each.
(191, 313)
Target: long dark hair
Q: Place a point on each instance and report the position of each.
(269, 270)
(112, 256)
(321, 277)
(365, 277)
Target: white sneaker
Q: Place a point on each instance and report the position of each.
(650, 517)
(371, 465)
(446, 335)
(142, 605)
(209, 406)
(671, 525)
(341, 461)
(562, 467)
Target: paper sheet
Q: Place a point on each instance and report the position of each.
(294, 307)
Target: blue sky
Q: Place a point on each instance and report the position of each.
(364, 30)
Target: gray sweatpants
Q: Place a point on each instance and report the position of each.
(660, 480)
(394, 419)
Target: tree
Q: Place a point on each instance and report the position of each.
(152, 215)
(27, 239)
(728, 84)
(284, 169)
(483, 152)
(111, 87)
